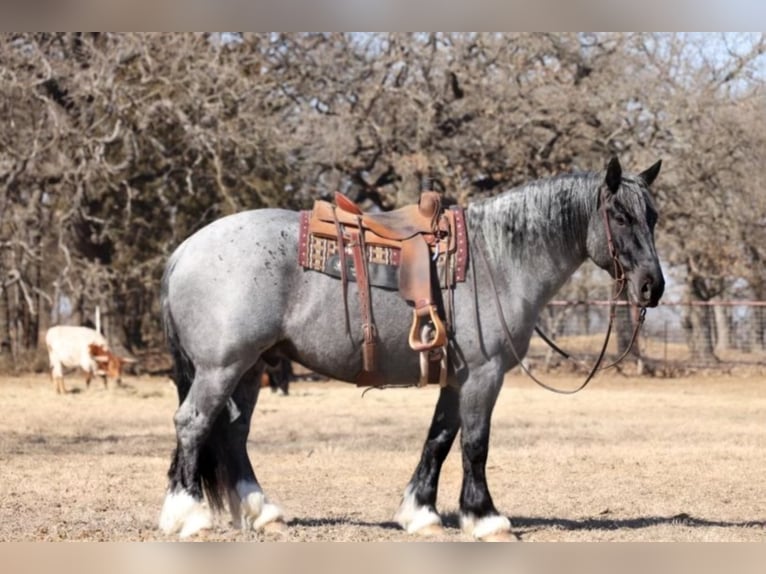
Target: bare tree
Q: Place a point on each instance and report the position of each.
(705, 188)
(118, 146)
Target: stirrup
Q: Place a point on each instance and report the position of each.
(440, 333)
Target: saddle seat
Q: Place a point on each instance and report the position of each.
(401, 223)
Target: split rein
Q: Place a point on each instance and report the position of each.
(618, 287)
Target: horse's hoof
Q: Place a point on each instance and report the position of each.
(278, 526)
(256, 512)
(185, 515)
(493, 528)
(430, 531)
(270, 515)
(500, 537)
(416, 519)
(199, 531)
(274, 529)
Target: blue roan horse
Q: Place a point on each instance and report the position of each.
(233, 295)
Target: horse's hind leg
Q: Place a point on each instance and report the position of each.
(212, 425)
(417, 512)
(248, 505)
(183, 510)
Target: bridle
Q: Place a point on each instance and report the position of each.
(618, 286)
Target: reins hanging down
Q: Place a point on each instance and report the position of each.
(619, 285)
(634, 336)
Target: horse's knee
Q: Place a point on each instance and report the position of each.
(188, 420)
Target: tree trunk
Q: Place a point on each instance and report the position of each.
(16, 328)
(8, 322)
(698, 323)
(699, 320)
(757, 342)
(722, 316)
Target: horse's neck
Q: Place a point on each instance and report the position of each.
(536, 237)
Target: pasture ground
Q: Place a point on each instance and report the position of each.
(626, 459)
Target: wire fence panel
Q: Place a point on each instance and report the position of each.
(715, 334)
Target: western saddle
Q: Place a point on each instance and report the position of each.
(416, 235)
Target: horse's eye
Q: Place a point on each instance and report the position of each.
(620, 219)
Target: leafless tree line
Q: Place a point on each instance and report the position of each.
(115, 147)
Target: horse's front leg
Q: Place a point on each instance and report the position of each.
(417, 512)
(478, 516)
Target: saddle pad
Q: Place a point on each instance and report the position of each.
(383, 262)
(320, 253)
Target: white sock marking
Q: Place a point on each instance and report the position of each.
(486, 526)
(255, 509)
(413, 517)
(182, 513)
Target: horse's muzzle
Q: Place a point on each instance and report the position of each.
(646, 288)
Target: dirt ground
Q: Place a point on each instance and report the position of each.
(626, 459)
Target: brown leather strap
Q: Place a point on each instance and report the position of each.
(343, 270)
(638, 322)
(369, 359)
(482, 248)
(346, 204)
(461, 240)
(619, 286)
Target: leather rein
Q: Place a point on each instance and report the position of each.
(618, 287)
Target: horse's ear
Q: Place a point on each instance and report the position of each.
(613, 174)
(651, 174)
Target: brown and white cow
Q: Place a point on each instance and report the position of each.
(81, 347)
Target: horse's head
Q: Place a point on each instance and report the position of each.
(625, 218)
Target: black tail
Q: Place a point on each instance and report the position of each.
(213, 476)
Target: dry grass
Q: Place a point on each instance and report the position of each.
(627, 459)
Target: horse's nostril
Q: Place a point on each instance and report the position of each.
(646, 288)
